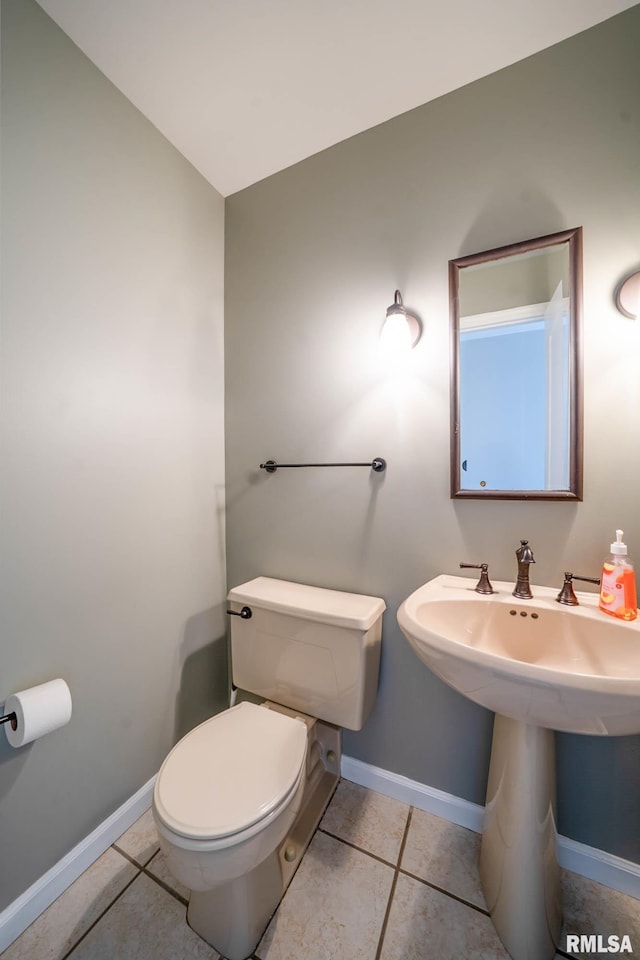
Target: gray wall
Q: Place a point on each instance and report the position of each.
(313, 256)
(112, 442)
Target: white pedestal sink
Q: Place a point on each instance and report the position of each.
(541, 667)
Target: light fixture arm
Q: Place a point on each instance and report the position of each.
(397, 307)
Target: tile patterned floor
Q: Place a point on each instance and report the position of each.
(380, 881)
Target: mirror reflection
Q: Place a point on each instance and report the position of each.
(515, 396)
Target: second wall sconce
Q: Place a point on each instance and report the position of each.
(628, 296)
(402, 329)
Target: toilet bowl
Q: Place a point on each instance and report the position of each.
(237, 800)
(228, 793)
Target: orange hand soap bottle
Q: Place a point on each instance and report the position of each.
(618, 585)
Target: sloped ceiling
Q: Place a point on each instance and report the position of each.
(244, 88)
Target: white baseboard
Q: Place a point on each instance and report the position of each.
(444, 805)
(29, 905)
(605, 868)
(587, 861)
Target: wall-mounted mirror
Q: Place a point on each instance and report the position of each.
(516, 391)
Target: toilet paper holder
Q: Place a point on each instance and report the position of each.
(11, 718)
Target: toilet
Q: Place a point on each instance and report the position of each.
(238, 799)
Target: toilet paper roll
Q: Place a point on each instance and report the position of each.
(38, 710)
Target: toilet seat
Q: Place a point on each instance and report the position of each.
(230, 774)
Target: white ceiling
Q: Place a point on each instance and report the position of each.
(244, 88)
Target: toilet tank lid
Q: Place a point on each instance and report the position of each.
(352, 610)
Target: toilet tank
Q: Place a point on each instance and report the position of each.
(308, 648)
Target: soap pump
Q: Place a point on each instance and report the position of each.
(618, 586)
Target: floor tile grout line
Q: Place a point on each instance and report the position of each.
(131, 859)
(165, 886)
(349, 843)
(98, 919)
(446, 893)
(405, 837)
(145, 869)
(394, 882)
(407, 873)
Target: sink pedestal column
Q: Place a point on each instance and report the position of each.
(518, 863)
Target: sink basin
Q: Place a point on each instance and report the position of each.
(573, 669)
(541, 667)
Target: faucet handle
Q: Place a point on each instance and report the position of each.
(567, 594)
(483, 585)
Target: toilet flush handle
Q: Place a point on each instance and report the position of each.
(245, 613)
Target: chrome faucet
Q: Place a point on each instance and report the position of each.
(524, 553)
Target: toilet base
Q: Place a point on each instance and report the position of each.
(233, 916)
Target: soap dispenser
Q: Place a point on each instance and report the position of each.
(618, 586)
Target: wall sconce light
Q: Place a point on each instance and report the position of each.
(628, 296)
(402, 329)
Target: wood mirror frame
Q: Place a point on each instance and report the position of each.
(572, 491)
